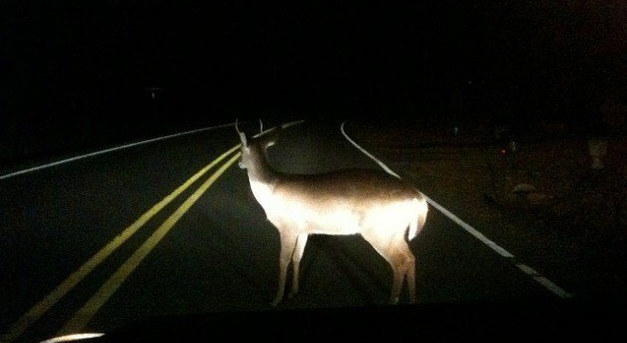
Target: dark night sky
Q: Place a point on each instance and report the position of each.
(92, 60)
(227, 54)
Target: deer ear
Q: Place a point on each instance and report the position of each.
(242, 138)
(271, 136)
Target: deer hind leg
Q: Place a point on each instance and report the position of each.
(301, 241)
(410, 276)
(403, 265)
(288, 243)
(397, 253)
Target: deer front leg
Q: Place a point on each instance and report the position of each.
(301, 241)
(288, 243)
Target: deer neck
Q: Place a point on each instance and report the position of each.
(262, 178)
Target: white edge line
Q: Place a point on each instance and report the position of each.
(74, 337)
(96, 153)
(552, 287)
(501, 251)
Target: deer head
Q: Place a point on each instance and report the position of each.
(254, 149)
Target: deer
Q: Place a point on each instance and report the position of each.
(385, 210)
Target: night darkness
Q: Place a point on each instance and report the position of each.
(82, 68)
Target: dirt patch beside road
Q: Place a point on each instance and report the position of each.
(544, 203)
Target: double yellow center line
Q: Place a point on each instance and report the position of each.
(91, 307)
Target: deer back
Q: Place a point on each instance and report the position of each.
(344, 201)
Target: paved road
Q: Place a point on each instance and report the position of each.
(207, 250)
